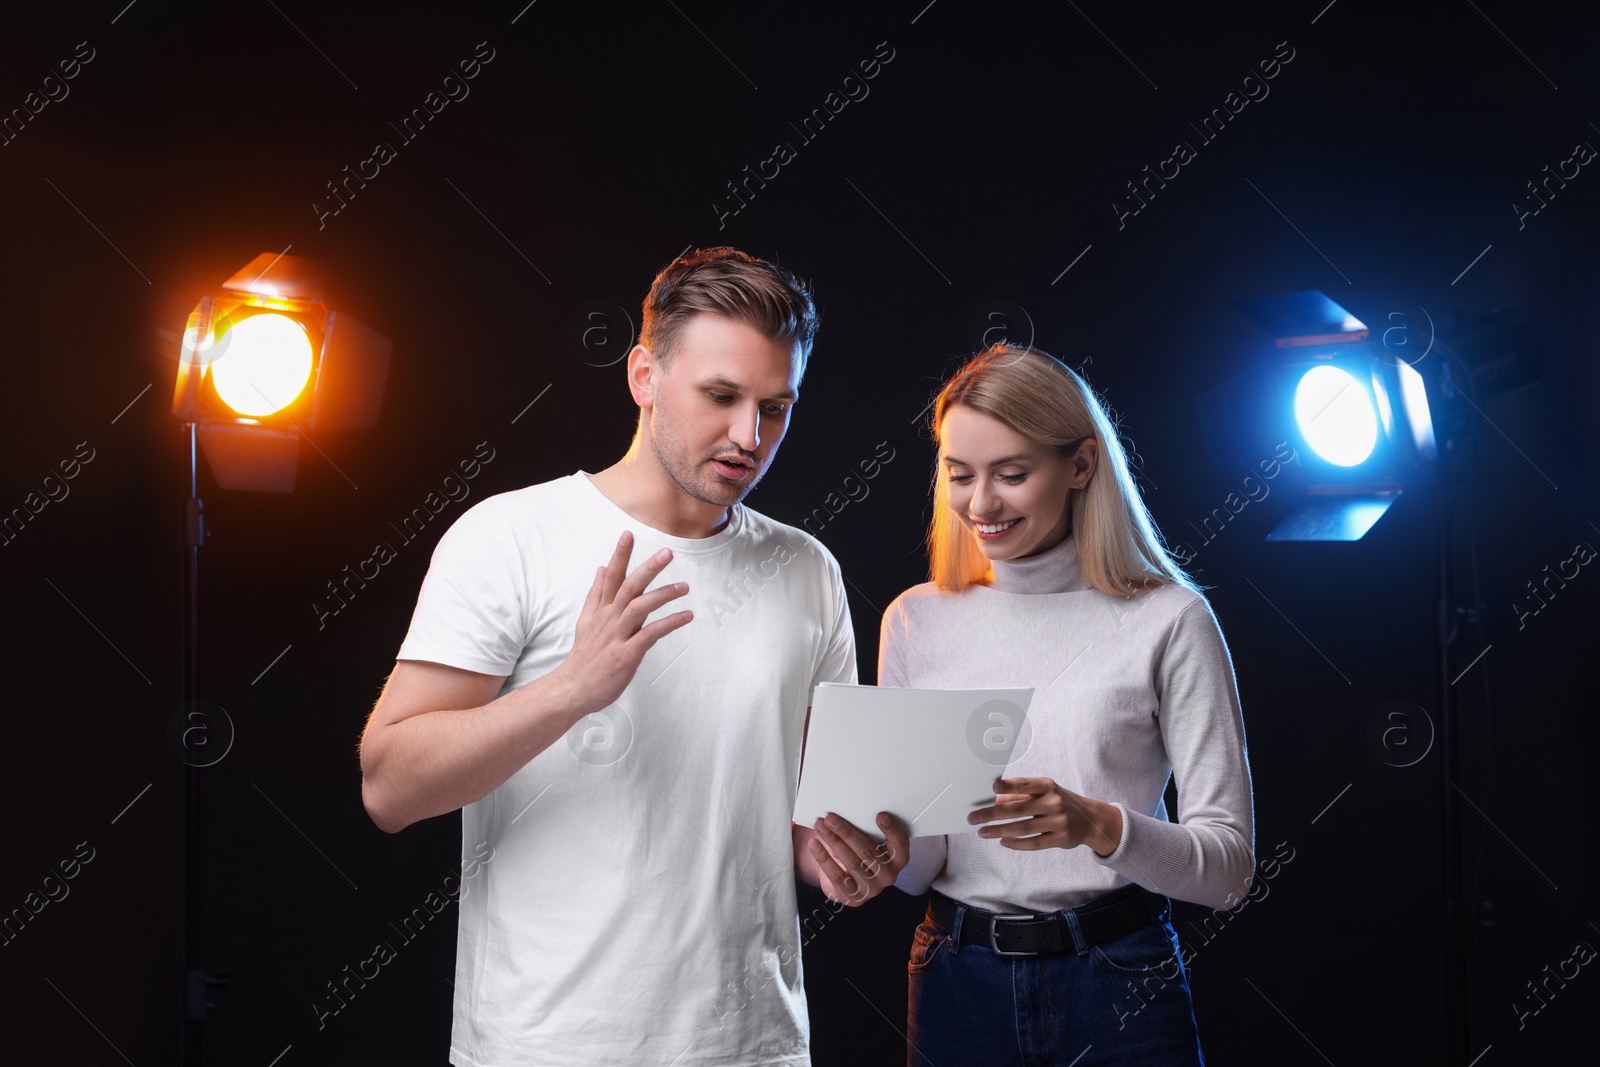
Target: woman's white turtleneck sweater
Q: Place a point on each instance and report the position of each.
(1127, 691)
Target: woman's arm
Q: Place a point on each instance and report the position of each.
(927, 863)
(1208, 855)
(928, 854)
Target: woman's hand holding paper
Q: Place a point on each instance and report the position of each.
(1049, 816)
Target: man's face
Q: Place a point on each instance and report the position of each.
(721, 406)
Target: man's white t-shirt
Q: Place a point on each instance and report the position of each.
(628, 895)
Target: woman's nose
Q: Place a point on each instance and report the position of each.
(982, 498)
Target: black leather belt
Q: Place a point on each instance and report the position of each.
(1102, 919)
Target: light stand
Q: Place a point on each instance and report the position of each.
(1457, 929)
(287, 363)
(197, 982)
(1495, 354)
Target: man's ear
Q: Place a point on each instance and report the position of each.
(643, 369)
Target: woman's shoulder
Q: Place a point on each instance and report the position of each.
(1160, 608)
(914, 596)
(919, 600)
(1177, 598)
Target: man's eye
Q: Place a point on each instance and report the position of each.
(776, 410)
(721, 398)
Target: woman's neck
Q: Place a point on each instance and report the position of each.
(1055, 570)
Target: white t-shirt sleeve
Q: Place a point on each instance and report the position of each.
(838, 660)
(1208, 855)
(471, 612)
(928, 854)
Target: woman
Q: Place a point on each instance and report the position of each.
(1047, 572)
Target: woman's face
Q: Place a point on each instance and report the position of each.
(1010, 492)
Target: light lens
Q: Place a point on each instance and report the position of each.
(265, 364)
(1335, 416)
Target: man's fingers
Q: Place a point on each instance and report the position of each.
(830, 872)
(860, 857)
(840, 855)
(898, 846)
(851, 846)
(592, 601)
(642, 576)
(641, 607)
(617, 569)
(655, 631)
(836, 891)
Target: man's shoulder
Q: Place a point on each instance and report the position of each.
(768, 535)
(518, 507)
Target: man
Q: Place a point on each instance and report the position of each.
(626, 785)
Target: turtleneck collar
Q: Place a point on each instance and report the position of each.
(1056, 570)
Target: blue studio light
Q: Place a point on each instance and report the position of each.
(1355, 413)
(1336, 416)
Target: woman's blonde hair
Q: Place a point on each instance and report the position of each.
(1038, 396)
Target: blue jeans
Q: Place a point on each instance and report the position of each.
(1125, 1001)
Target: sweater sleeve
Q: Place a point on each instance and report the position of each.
(927, 853)
(1208, 855)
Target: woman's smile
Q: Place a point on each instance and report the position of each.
(994, 531)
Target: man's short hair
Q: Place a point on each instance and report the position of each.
(728, 282)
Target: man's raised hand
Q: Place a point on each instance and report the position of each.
(611, 636)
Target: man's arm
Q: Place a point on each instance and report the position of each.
(438, 739)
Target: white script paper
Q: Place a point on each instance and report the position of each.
(926, 756)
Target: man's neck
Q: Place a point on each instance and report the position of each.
(639, 485)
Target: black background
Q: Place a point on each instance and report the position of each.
(589, 152)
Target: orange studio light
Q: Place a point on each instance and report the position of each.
(265, 360)
(266, 365)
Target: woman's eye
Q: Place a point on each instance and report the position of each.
(1009, 479)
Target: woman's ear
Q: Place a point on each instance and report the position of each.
(1084, 462)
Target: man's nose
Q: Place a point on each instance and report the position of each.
(746, 428)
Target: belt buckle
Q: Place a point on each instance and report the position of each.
(994, 942)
